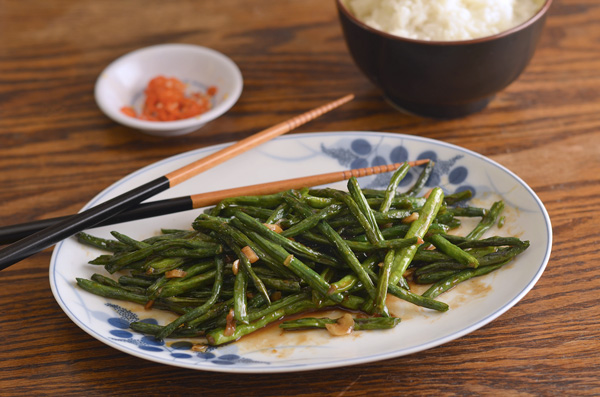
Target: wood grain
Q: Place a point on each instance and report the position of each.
(57, 151)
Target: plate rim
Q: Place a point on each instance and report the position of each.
(282, 368)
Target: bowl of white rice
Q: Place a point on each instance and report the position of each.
(442, 58)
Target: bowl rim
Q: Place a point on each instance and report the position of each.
(213, 113)
(543, 10)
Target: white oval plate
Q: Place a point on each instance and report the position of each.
(472, 304)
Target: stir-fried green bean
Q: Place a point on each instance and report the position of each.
(200, 310)
(418, 228)
(360, 324)
(422, 180)
(253, 260)
(453, 251)
(361, 201)
(390, 191)
(340, 244)
(487, 221)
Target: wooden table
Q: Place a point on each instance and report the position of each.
(57, 150)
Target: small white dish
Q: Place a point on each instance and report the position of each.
(123, 82)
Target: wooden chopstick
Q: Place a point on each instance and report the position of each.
(9, 234)
(93, 216)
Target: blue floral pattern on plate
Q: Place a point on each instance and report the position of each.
(361, 154)
(121, 333)
(299, 155)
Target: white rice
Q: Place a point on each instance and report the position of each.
(443, 20)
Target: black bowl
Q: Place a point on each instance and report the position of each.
(441, 79)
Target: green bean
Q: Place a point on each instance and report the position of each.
(434, 277)
(153, 290)
(503, 254)
(390, 191)
(501, 221)
(399, 231)
(371, 194)
(453, 251)
(385, 271)
(350, 302)
(407, 296)
(158, 265)
(487, 221)
(120, 260)
(239, 297)
(423, 301)
(263, 271)
(488, 242)
(359, 198)
(247, 266)
(399, 202)
(196, 253)
(354, 208)
(170, 234)
(101, 260)
(312, 221)
(278, 213)
(463, 275)
(282, 284)
(135, 244)
(300, 269)
(339, 243)
(196, 268)
(185, 300)
(418, 228)
(200, 310)
(266, 201)
(435, 267)
(317, 298)
(219, 309)
(112, 283)
(484, 259)
(423, 255)
(136, 281)
(292, 246)
(422, 180)
(111, 292)
(457, 197)
(349, 250)
(467, 211)
(193, 278)
(446, 219)
(350, 281)
(383, 219)
(256, 310)
(259, 213)
(319, 202)
(212, 223)
(180, 286)
(154, 329)
(101, 243)
(218, 336)
(382, 284)
(178, 232)
(360, 324)
(386, 244)
(345, 284)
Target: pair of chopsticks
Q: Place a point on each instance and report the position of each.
(73, 224)
(9, 234)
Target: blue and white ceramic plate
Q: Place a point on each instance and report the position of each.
(472, 304)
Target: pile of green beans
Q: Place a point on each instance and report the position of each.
(251, 261)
